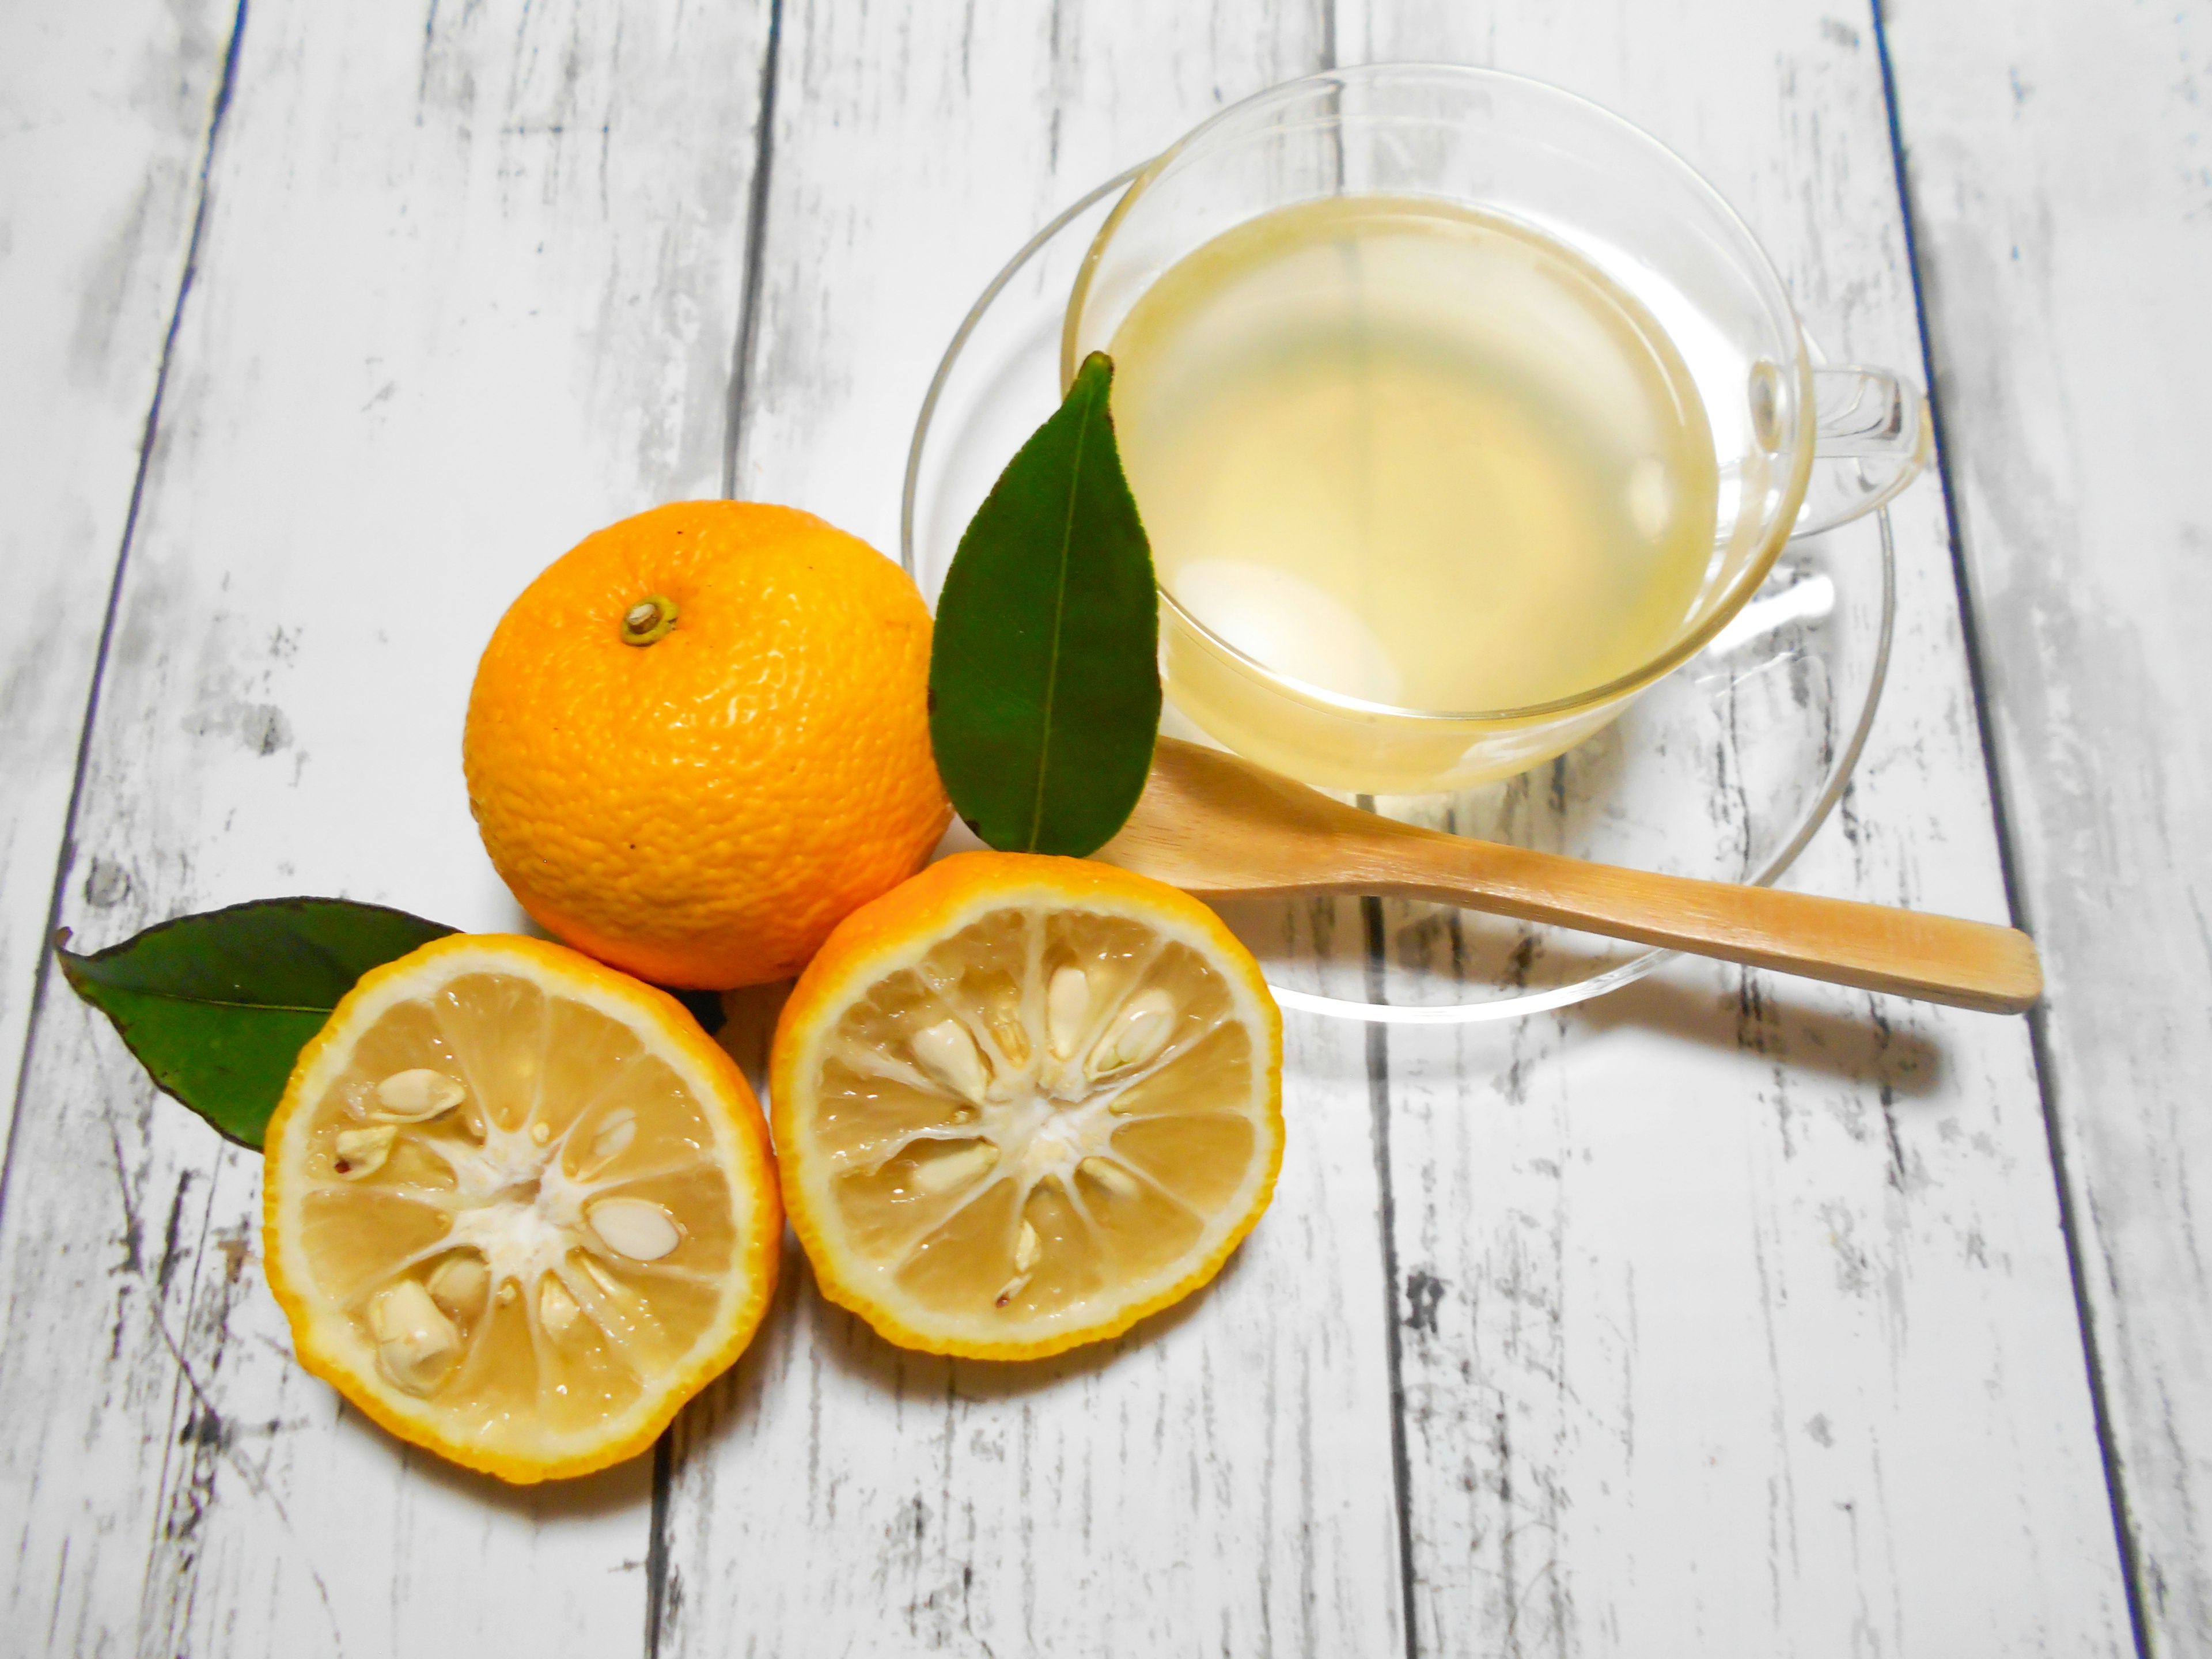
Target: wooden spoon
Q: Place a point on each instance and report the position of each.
(1223, 828)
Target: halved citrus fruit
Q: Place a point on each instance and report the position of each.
(517, 1206)
(1022, 1101)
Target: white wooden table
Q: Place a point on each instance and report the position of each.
(1729, 1316)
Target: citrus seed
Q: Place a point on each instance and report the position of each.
(948, 1053)
(459, 1284)
(415, 1342)
(634, 1227)
(943, 1174)
(418, 1095)
(1066, 1002)
(363, 1151)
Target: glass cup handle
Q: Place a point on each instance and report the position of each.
(1870, 418)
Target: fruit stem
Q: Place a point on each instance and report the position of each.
(649, 619)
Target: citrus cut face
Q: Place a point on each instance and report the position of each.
(1020, 1102)
(517, 1206)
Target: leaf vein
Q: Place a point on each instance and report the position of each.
(1059, 622)
(218, 1002)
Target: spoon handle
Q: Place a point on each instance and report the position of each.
(1970, 965)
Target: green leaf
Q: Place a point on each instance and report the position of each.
(1044, 678)
(217, 1006)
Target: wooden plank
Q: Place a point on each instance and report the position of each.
(106, 119)
(1221, 1479)
(468, 289)
(1736, 1313)
(2056, 160)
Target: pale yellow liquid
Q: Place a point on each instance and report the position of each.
(1415, 455)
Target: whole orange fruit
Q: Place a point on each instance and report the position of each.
(701, 738)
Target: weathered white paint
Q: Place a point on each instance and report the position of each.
(1731, 1314)
(1220, 1480)
(1738, 1314)
(2061, 169)
(467, 289)
(104, 118)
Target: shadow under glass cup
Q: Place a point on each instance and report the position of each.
(1512, 152)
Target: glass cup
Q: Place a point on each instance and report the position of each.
(1568, 169)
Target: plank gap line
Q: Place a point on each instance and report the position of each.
(741, 353)
(2008, 860)
(656, 1542)
(1378, 1106)
(65, 856)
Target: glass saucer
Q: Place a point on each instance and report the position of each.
(1723, 769)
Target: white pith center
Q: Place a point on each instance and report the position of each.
(1048, 1111)
(1039, 1102)
(515, 1204)
(1051, 1137)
